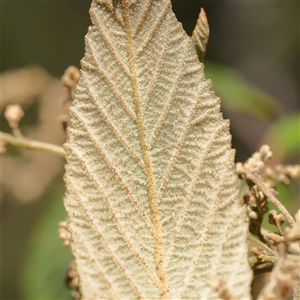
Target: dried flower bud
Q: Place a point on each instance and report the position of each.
(259, 252)
(284, 179)
(269, 172)
(274, 238)
(280, 219)
(76, 295)
(282, 279)
(64, 120)
(293, 234)
(265, 152)
(72, 281)
(245, 199)
(223, 290)
(252, 202)
(256, 156)
(239, 168)
(293, 171)
(276, 219)
(71, 77)
(260, 165)
(64, 234)
(251, 161)
(272, 215)
(13, 114)
(253, 215)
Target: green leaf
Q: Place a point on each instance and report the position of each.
(283, 137)
(47, 260)
(239, 95)
(152, 194)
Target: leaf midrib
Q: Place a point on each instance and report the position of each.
(157, 232)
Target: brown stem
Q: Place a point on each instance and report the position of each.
(260, 184)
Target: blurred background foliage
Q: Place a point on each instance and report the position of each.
(252, 58)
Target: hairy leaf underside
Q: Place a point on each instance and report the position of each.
(152, 194)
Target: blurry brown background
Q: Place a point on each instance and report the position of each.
(260, 39)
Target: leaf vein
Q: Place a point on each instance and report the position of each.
(155, 214)
(165, 111)
(206, 229)
(109, 44)
(191, 191)
(177, 148)
(111, 8)
(104, 242)
(115, 173)
(141, 20)
(117, 221)
(154, 28)
(113, 128)
(212, 270)
(93, 262)
(158, 69)
(109, 82)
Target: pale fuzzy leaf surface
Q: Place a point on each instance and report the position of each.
(200, 35)
(152, 194)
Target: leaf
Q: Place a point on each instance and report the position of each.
(200, 35)
(240, 95)
(283, 136)
(152, 194)
(47, 261)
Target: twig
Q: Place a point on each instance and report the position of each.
(260, 184)
(262, 245)
(17, 133)
(270, 196)
(252, 260)
(282, 279)
(269, 258)
(23, 142)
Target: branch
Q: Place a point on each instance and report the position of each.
(260, 184)
(253, 260)
(282, 279)
(31, 144)
(262, 245)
